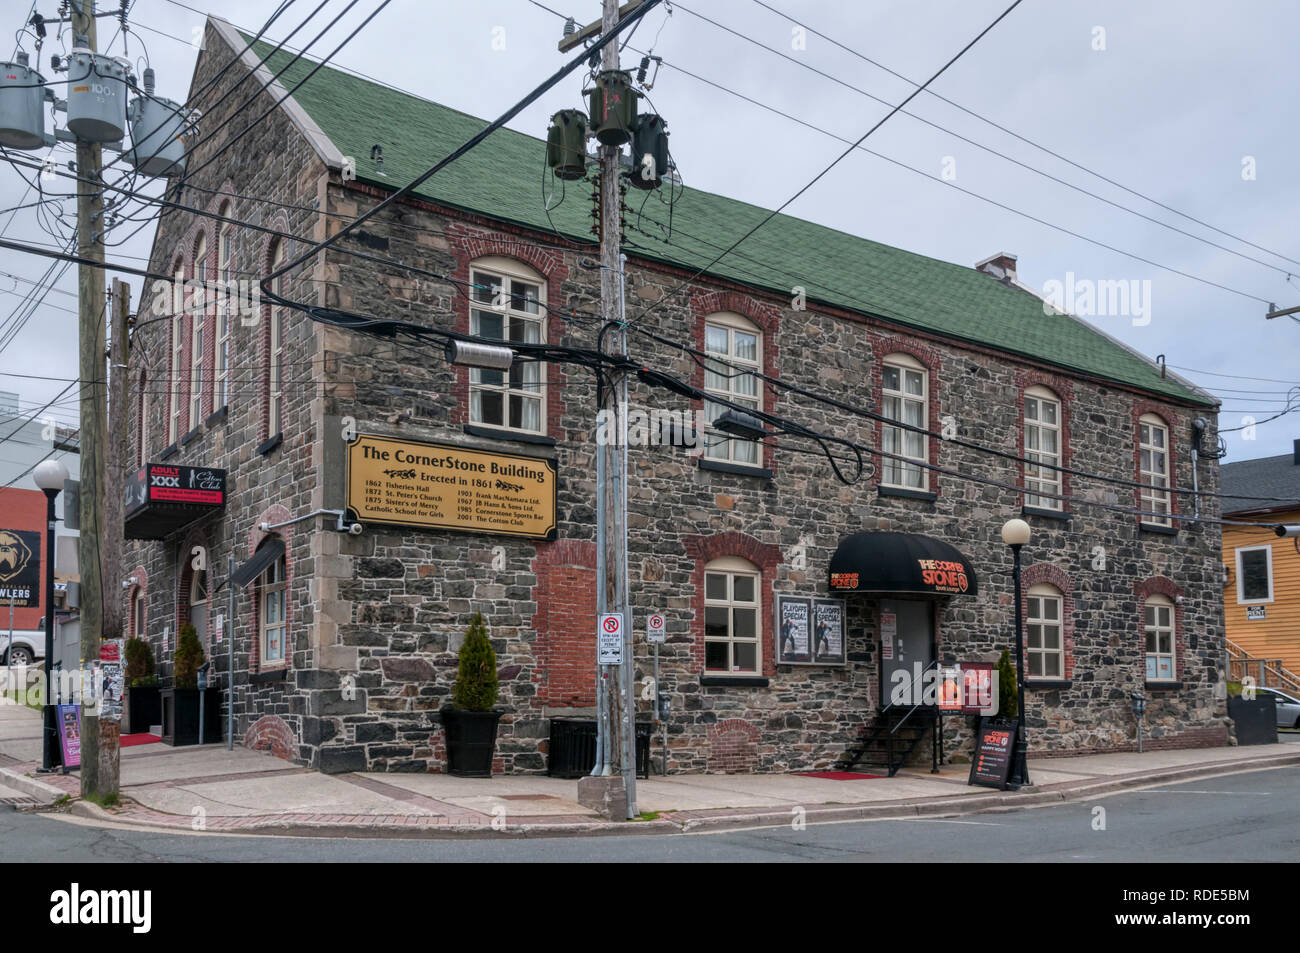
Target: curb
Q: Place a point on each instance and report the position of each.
(992, 802)
(45, 794)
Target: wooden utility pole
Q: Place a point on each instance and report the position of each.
(116, 453)
(91, 346)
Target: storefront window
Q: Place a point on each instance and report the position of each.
(732, 617)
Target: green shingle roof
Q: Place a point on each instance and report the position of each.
(503, 178)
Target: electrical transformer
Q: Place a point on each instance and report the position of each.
(612, 104)
(649, 152)
(566, 145)
(96, 96)
(22, 96)
(157, 132)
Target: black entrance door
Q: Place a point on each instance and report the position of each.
(906, 649)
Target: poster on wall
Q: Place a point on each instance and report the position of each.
(888, 634)
(69, 717)
(793, 630)
(828, 632)
(109, 680)
(20, 568)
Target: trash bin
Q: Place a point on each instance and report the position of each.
(573, 748)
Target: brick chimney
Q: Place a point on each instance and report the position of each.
(1001, 266)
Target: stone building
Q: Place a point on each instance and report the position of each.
(345, 644)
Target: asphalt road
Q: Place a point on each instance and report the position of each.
(1244, 817)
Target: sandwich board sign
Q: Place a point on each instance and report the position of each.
(609, 639)
(655, 629)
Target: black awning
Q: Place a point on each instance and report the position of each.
(266, 554)
(901, 562)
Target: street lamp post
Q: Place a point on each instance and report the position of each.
(1015, 533)
(50, 476)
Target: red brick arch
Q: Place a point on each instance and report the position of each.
(271, 732)
(882, 346)
(733, 747)
(1063, 388)
(1164, 586)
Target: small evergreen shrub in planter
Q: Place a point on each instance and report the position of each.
(180, 705)
(143, 695)
(470, 722)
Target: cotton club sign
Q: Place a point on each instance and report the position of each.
(943, 576)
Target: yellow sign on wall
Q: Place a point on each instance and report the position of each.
(441, 486)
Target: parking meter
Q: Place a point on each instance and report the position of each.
(201, 674)
(1139, 710)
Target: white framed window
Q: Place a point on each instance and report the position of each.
(226, 275)
(905, 390)
(273, 626)
(198, 321)
(1158, 624)
(1153, 469)
(174, 406)
(1044, 632)
(739, 342)
(508, 304)
(732, 617)
(1042, 446)
(275, 357)
(1254, 574)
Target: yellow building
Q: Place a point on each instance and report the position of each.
(1261, 594)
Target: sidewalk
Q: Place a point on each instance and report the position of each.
(211, 789)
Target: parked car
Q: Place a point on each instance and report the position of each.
(29, 645)
(1288, 707)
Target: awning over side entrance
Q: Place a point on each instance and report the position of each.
(267, 553)
(901, 562)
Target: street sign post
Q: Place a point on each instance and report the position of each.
(609, 639)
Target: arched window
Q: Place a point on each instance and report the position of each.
(272, 620)
(1044, 632)
(905, 392)
(275, 355)
(739, 343)
(225, 290)
(175, 370)
(508, 304)
(1158, 621)
(1153, 469)
(137, 618)
(1042, 446)
(198, 326)
(732, 616)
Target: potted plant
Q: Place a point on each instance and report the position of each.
(470, 722)
(181, 702)
(143, 696)
(1008, 688)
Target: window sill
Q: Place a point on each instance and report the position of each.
(1036, 511)
(217, 416)
(498, 433)
(906, 494)
(190, 436)
(1157, 530)
(736, 469)
(734, 681)
(269, 675)
(169, 452)
(1164, 686)
(1047, 684)
(269, 444)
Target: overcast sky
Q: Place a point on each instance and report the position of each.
(1189, 103)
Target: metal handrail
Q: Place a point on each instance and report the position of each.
(916, 705)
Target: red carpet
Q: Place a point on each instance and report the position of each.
(143, 738)
(838, 775)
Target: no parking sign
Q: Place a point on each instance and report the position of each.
(654, 628)
(609, 639)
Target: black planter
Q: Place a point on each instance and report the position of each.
(471, 741)
(143, 707)
(1255, 720)
(180, 716)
